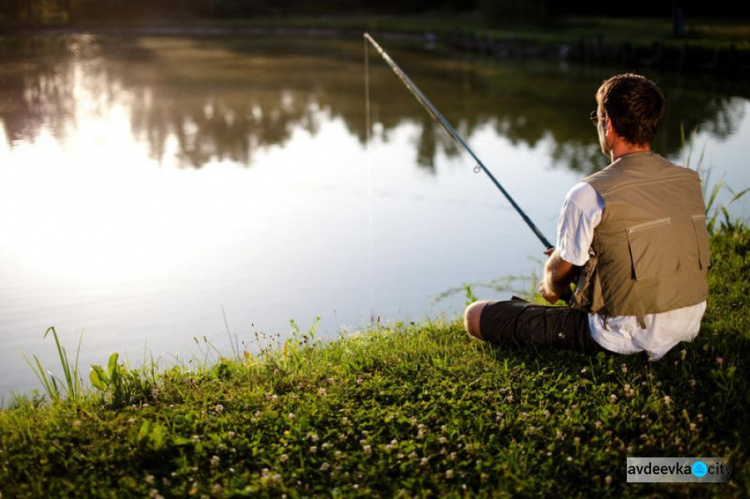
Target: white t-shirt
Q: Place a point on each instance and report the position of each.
(581, 213)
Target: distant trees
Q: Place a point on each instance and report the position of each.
(494, 11)
(37, 11)
(514, 11)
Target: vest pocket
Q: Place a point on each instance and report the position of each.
(701, 236)
(651, 249)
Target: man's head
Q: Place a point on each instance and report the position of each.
(634, 105)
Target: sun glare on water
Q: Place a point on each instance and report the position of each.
(88, 203)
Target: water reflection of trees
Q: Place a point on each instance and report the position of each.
(36, 93)
(225, 98)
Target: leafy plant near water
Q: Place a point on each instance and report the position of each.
(404, 410)
(119, 384)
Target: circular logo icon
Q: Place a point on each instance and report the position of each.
(699, 469)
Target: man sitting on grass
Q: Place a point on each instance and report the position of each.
(634, 238)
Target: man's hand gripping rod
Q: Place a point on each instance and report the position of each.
(453, 133)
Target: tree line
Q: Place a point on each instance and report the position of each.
(495, 12)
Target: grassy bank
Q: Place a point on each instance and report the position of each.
(412, 409)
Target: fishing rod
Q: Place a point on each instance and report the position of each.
(430, 107)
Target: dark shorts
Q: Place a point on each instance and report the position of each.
(518, 322)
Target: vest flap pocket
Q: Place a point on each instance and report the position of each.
(651, 249)
(701, 236)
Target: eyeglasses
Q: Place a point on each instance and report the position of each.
(594, 117)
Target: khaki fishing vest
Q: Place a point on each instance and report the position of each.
(650, 251)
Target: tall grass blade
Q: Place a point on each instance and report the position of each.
(47, 380)
(78, 378)
(71, 375)
(233, 343)
(739, 195)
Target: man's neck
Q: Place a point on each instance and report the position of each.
(621, 149)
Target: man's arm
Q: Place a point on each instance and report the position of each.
(558, 274)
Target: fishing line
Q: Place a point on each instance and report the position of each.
(437, 116)
(369, 181)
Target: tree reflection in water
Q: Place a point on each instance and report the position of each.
(224, 98)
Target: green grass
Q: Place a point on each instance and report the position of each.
(406, 409)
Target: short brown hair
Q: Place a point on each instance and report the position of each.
(635, 105)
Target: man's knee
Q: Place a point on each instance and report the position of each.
(472, 318)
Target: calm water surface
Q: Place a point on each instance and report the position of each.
(157, 190)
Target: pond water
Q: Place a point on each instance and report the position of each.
(155, 190)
